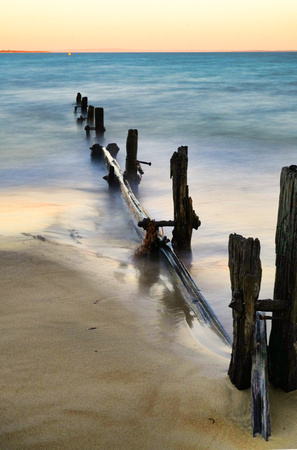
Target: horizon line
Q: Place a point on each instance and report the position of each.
(121, 50)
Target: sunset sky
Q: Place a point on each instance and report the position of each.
(149, 25)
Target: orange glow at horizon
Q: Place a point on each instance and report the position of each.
(176, 25)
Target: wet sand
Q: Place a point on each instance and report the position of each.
(82, 366)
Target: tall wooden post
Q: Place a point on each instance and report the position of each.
(91, 114)
(131, 158)
(185, 218)
(84, 103)
(78, 98)
(99, 120)
(245, 275)
(283, 337)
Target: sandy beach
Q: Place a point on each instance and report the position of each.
(84, 367)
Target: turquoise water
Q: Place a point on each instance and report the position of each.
(236, 112)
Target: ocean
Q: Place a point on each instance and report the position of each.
(236, 112)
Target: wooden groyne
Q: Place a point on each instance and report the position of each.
(253, 363)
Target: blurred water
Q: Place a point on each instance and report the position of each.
(236, 112)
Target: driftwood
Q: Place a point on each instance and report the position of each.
(259, 391)
(283, 337)
(185, 218)
(245, 275)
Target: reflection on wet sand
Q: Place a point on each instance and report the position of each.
(154, 283)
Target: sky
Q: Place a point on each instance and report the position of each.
(148, 25)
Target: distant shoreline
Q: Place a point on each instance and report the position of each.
(24, 51)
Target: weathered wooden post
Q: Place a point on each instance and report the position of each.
(260, 396)
(111, 178)
(185, 218)
(131, 158)
(245, 275)
(84, 103)
(99, 120)
(283, 337)
(113, 149)
(91, 114)
(96, 151)
(78, 98)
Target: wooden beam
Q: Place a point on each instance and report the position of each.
(158, 223)
(260, 386)
(271, 305)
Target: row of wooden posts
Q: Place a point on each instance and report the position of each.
(185, 218)
(252, 364)
(95, 116)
